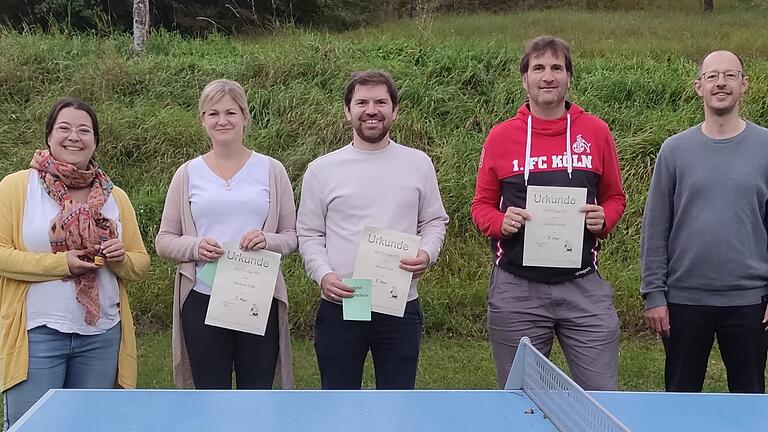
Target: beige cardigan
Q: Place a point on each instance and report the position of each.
(177, 241)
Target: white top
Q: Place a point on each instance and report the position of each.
(393, 188)
(53, 303)
(226, 215)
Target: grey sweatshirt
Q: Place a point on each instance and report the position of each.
(704, 239)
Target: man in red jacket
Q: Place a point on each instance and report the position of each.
(550, 142)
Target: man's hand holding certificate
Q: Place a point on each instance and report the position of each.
(243, 287)
(554, 235)
(378, 259)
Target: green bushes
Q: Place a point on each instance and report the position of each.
(189, 17)
(453, 89)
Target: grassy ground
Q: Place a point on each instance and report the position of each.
(446, 363)
(628, 33)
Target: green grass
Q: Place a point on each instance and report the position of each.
(600, 32)
(457, 77)
(445, 363)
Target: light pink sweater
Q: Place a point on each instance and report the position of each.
(343, 191)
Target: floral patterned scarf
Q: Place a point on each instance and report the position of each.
(78, 226)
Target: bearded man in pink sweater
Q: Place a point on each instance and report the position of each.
(373, 181)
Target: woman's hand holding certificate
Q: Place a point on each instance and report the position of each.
(209, 250)
(253, 240)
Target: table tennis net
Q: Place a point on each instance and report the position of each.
(566, 405)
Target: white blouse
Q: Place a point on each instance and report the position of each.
(53, 303)
(226, 215)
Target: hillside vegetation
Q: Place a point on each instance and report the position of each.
(458, 77)
(202, 17)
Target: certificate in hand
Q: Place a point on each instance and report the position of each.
(554, 236)
(378, 258)
(242, 289)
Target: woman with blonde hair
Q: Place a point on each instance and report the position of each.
(229, 194)
(68, 240)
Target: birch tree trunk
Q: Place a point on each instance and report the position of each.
(140, 26)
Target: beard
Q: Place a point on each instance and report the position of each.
(371, 137)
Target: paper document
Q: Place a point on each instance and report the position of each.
(208, 273)
(554, 236)
(358, 308)
(242, 289)
(378, 259)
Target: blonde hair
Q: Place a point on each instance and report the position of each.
(217, 89)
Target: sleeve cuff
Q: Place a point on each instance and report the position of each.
(196, 250)
(271, 239)
(655, 299)
(64, 263)
(320, 274)
(432, 252)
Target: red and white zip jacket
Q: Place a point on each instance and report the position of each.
(575, 150)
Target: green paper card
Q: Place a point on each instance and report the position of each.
(358, 308)
(207, 273)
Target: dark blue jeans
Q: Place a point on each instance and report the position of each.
(342, 347)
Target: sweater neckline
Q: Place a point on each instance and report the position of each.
(724, 141)
(373, 152)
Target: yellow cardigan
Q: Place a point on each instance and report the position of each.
(18, 268)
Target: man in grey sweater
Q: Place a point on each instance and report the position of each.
(705, 238)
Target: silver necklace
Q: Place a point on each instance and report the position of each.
(227, 181)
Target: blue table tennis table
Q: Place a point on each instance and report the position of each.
(547, 401)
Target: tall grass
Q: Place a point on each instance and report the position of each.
(458, 77)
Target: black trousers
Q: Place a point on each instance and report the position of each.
(740, 335)
(342, 346)
(214, 351)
